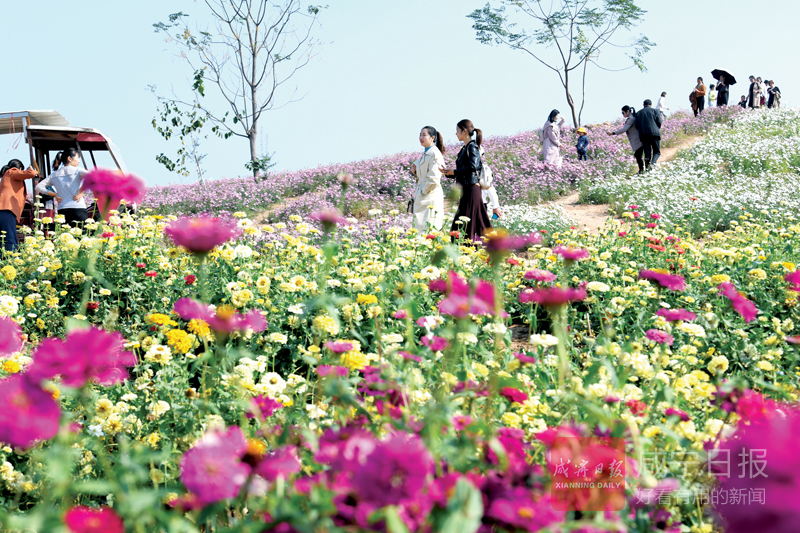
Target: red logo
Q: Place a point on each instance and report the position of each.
(588, 474)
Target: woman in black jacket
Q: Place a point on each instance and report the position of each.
(467, 174)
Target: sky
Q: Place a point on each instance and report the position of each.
(382, 71)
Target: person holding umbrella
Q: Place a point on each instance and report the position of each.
(725, 79)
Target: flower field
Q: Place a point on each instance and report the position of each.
(176, 374)
(751, 166)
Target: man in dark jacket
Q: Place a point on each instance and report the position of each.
(648, 123)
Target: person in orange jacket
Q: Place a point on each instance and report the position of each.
(12, 200)
(700, 95)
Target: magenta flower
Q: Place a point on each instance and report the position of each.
(524, 359)
(113, 186)
(329, 218)
(396, 472)
(672, 282)
(673, 315)
(772, 469)
(793, 278)
(10, 336)
(435, 344)
(742, 305)
(213, 469)
(332, 370)
(461, 422)
(85, 355)
(201, 234)
(82, 519)
(571, 254)
(552, 296)
(499, 242)
(461, 300)
(410, 356)
(517, 509)
(29, 414)
(655, 216)
(223, 319)
(661, 337)
(513, 395)
(542, 276)
(264, 407)
(671, 411)
(401, 314)
(339, 346)
(280, 462)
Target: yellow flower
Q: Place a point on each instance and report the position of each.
(718, 364)
(160, 319)
(765, 365)
(12, 367)
(354, 360)
(199, 328)
(9, 272)
(104, 408)
(366, 299)
(716, 279)
(241, 298)
(179, 339)
(153, 439)
(511, 419)
(757, 274)
(325, 324)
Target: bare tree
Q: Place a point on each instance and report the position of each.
(568, 34)
(255, 47)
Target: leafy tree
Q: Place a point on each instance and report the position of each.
(566, 35)
(255, 47)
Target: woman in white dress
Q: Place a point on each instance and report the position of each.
(551, 139)
(428, 194)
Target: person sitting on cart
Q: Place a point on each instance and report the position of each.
(12, 200)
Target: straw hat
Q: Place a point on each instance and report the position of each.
(581, 130)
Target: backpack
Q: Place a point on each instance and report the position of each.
(486, 177)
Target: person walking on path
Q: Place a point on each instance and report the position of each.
(551, 139)
(629, 128)
(661, 105)
(754, 95)
(583, 144)
(700, 96)
(471, 219)
(12, 200)
(712, 95)
(774, 96)
(428, 194)
(648, 123)
(722, 92)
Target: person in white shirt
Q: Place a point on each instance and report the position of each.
(490, 197)
(67, 182)
(661, 105)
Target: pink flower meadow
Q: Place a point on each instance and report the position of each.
(212, 469)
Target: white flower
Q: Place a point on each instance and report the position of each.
(243, 251)
(280, 338)
(392, 338)
(8, 305)
(598, 286)
(544, 339)
(495, 328)
(296, 309)
(158, 408)
(273, 383)
(96, 430)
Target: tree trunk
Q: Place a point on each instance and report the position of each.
(252, 135)
(571, 103)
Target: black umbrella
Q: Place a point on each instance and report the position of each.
(729, 78)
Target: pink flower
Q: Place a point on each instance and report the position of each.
(280, 462)
(500, 242)
(742, 305)
(335, 370)
(213, 469)
(328, 218)
(517, 509)
(542, 276)
(661, 337)
(402, 314)
(672, 282)
(794, 279)
(552, 296)
(652, 225)
(633, 207)
(461, 300)
(655, 216)
(107, 235)
(671, 411)
(637, 407)
(223, 319)
(151, 274)
(522, 358)
(461, 422)
(339, 346)
(85, 355)
(571, 254)
(113, 185)
(82, 519)
(29, 413)
(264, 407)
(201, 234)
(673, 315)
(435, 344)
(410, 356)
(623, 233)
(10, 336)
(513, 395)
(141, 265)
(189, 279)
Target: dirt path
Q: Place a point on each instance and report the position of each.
(593, 217)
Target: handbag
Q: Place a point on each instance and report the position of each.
(410, 207)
